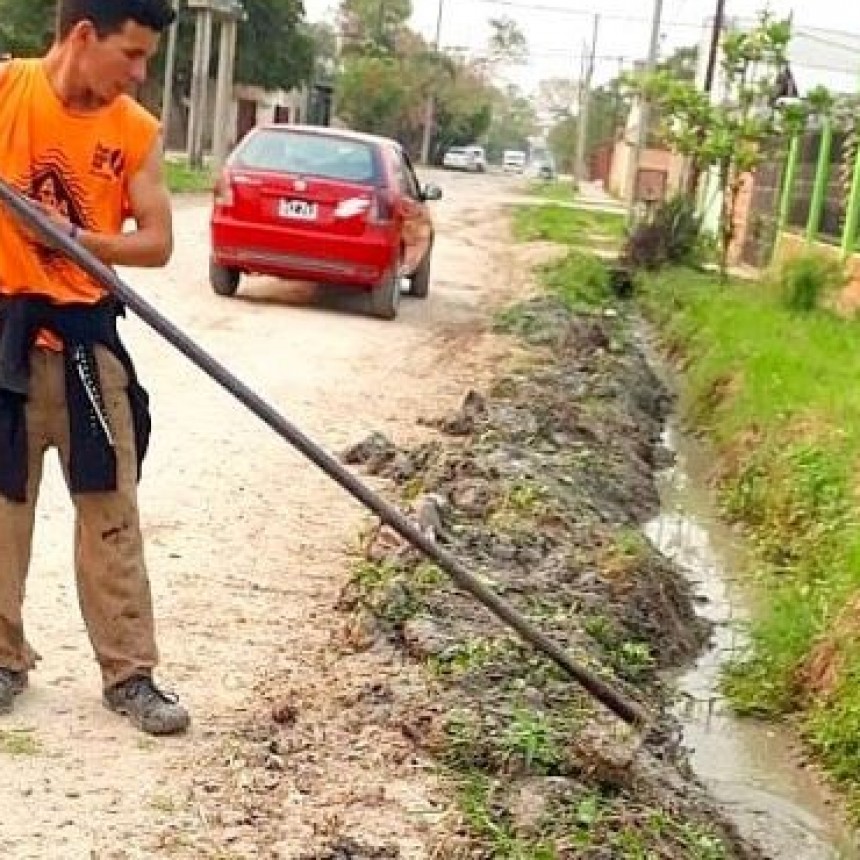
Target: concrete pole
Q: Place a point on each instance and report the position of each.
(430, 106)
(585, 107)
(644, 115)
(169, 72)
(224, 92)
(200, 87)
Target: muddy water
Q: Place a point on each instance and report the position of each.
(749, 766)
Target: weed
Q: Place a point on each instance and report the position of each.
(19, 742)
(580, 280)
(529, 739)
(807, 279)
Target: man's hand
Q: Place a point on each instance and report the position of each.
(59, 221)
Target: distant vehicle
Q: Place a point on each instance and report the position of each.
(326, 205)
(514, 161)
(543, 168)
(471, 158)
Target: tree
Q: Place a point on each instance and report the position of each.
(26, 28)
(274, 50)
(508, 44)
(734, 136)
(372, 26)
(514, 122)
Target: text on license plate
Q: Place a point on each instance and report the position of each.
(299, 209)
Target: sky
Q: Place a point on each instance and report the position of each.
(558, 34)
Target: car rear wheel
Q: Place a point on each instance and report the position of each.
(419, 282)
(385, 297)
(225, 281)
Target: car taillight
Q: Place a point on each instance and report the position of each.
(224, 191)
(353, 207)
(382, 210)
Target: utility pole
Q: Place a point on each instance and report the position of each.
(430, 106)
(585, 106)
(695, 173)
(710, 72)
(644, 109)
(169, 74)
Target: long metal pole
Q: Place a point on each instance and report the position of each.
(585, 106)
(644, 112)
(27, 214)
(430, 105)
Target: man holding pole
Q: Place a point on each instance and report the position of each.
(73, 140)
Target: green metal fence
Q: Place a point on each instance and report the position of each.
(821, 188)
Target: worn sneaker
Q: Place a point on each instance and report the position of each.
(12, 683)
(150, 709)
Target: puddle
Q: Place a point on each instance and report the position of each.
(748, 765)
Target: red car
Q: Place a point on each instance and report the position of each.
(323, 205)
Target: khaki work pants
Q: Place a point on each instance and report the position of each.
(113, 587)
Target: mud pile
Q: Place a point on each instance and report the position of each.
(542, 487)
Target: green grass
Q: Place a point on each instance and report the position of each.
(581, 280)
(182, 179)
(558, 191)
(779, 394)
(567, 226)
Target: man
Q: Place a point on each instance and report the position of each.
(73, 141)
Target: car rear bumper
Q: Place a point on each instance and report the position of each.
(361, 261)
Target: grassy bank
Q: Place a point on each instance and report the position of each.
(562, 224)
(777, 392)
(560, 191)
(182, 179)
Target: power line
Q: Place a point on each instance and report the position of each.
(582, 12)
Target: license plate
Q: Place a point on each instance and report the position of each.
(299, 209)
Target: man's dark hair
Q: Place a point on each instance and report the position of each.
(110, 16)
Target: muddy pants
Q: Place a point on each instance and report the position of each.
(113, 587)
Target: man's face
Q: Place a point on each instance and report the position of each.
(115, 64)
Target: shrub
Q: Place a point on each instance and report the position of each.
(805, 280)
(673, 236)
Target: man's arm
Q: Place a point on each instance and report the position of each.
(151, 244)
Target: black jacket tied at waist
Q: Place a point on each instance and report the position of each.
(92, 461)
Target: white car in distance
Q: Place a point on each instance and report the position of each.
(470, 158)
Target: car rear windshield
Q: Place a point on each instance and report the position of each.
(311, 155)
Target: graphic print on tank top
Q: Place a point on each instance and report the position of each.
(52, 183)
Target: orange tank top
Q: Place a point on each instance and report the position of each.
(78, 164)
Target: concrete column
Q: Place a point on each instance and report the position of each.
(199, 87)
(224, 92)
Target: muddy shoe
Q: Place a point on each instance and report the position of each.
(151, 710)
(11, 684)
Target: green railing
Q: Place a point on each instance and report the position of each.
(848, 240)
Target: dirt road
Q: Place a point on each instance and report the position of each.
(248, 547)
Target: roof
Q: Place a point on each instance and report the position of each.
(824, 58)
